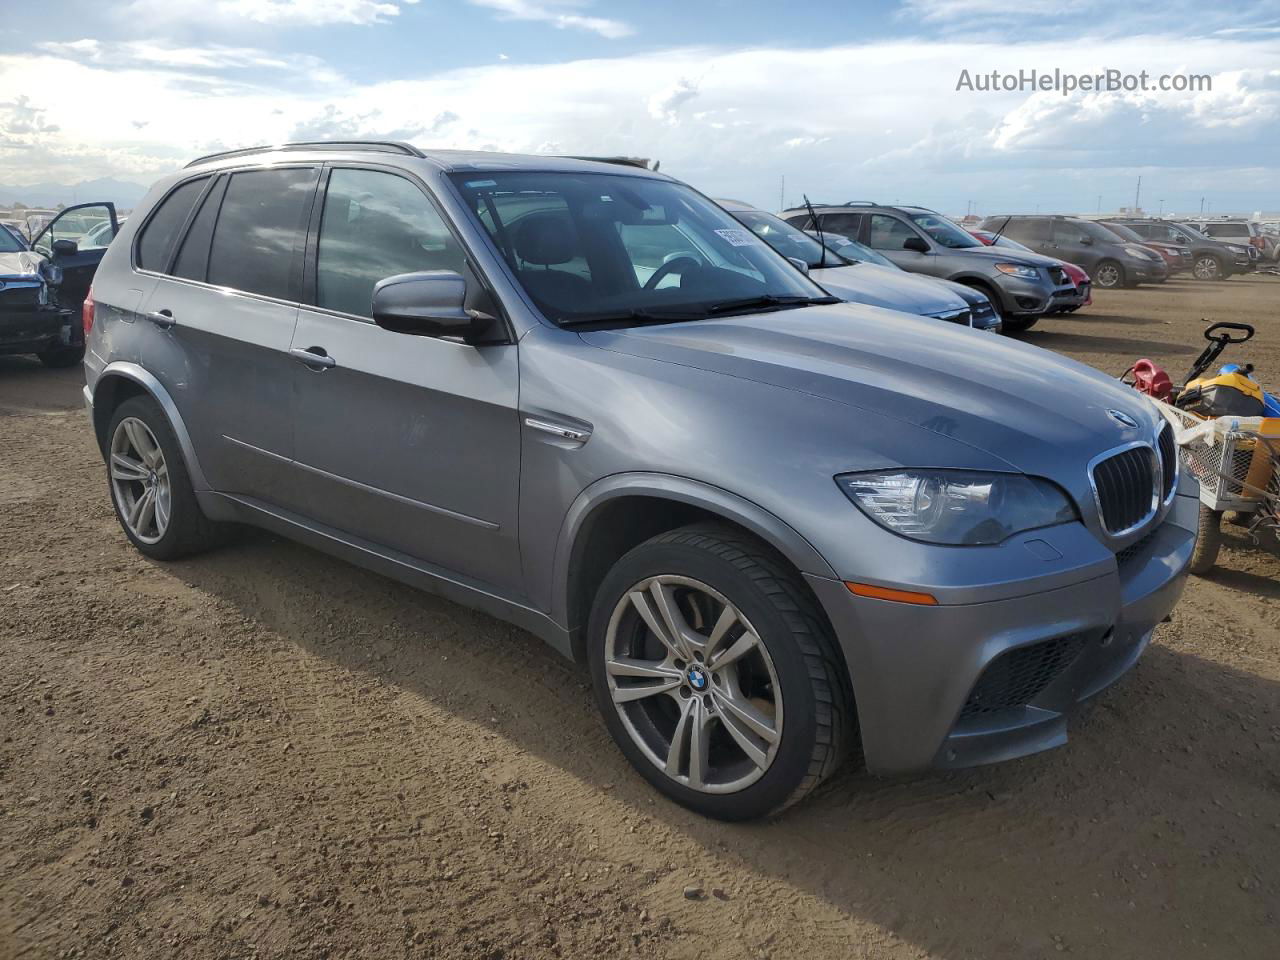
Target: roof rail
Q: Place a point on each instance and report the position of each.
(364, 146)
(855, 203)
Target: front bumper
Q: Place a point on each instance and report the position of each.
(920, 673)
(1021, 297)
(33, 329)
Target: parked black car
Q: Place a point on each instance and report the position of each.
(1109, 260)
(43, 284)
(1210, 259)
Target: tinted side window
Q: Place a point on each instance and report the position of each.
(845, 224)
(193, 255)
(1028, 231)
(888, 233)
(261, 225)
(158, 236)
(376, 225)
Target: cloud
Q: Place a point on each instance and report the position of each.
(558, 13)
(665, 104)
(874, 120)
(313, 13)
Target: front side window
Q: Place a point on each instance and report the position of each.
(888, 233)
(261, 228)
(592, 247)
(944, 232)
(156, 240)
(376, 225)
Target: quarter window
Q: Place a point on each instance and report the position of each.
(260, 228)
(376, 225)
(158, 236)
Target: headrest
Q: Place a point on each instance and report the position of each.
(545, 239)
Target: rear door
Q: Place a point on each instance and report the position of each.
(409, 442)
(221, 317)
(1034, 233)
(90, 226)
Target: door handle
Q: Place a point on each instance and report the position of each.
(314, 357)
(162, 319)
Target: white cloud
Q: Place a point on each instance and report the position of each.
(881, 121)
(665, 104)
(313, 13)
(559, 13)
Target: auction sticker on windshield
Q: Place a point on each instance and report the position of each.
(737, 238)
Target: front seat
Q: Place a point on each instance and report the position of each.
(544, 240)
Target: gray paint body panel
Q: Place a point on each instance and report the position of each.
(473, 471)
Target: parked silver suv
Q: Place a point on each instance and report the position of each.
(1022, 286)
(585, 399)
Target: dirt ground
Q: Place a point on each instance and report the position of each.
(264, 752)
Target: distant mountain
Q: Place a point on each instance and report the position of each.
(122, 193)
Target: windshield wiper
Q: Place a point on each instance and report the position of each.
(635, 315)
(767, 300)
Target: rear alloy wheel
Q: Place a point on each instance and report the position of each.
(150, 488)
(1207, 267)
(716, 673)
(1109, 275)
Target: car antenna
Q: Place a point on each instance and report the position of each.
(1001, 230)
(817, 226)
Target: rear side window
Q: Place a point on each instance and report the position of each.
(260, 228)
(193, 255)
(1025, 231)
(158, 236)
(845, 224)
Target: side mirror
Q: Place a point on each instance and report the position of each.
(915, 243)
(801, 265)
(429, 303)
(1087, 241)
(65, 248)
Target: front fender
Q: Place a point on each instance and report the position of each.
(716, 500)
(102, 394)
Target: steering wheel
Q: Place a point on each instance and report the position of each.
(674, 265)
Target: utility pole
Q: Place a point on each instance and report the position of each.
(1137, 197)
(782, 193)
(1099, 203)
(1202, 206)
(1162, 208)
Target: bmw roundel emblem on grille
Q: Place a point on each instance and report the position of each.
(697, 678)
(1122, 418)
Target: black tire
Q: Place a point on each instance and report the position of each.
(1109, 275)
(1209, 267)
(1019, 324)
(59, 357)
(1208, 541)
(189, 530)
(798, 640)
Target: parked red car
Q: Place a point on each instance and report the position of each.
(1176, 257)
(1079, 276)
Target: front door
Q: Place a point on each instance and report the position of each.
(888, 235)
(90, 226)
(409, 442)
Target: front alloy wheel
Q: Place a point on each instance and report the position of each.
(693, 685)
(1207, 268)
(1109, 275)
(140, 480)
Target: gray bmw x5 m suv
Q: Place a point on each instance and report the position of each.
(585, 399)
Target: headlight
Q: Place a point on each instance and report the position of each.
(1141, 253)
(1237, 249)
(957, 507)
(1019, 270)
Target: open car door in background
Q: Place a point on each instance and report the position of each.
(90, 226)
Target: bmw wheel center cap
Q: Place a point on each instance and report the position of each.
(697, 678)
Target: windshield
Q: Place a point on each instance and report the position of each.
(597, 247)
(789, 241)
(1124, 233)
(1192, 232)
(944, 231)
(1003, 241)
(9, 243)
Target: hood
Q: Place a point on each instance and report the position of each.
(1004, 255)
(23, 263)
(1031, 410)
(888, 287)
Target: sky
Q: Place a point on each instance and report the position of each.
(845, 100)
